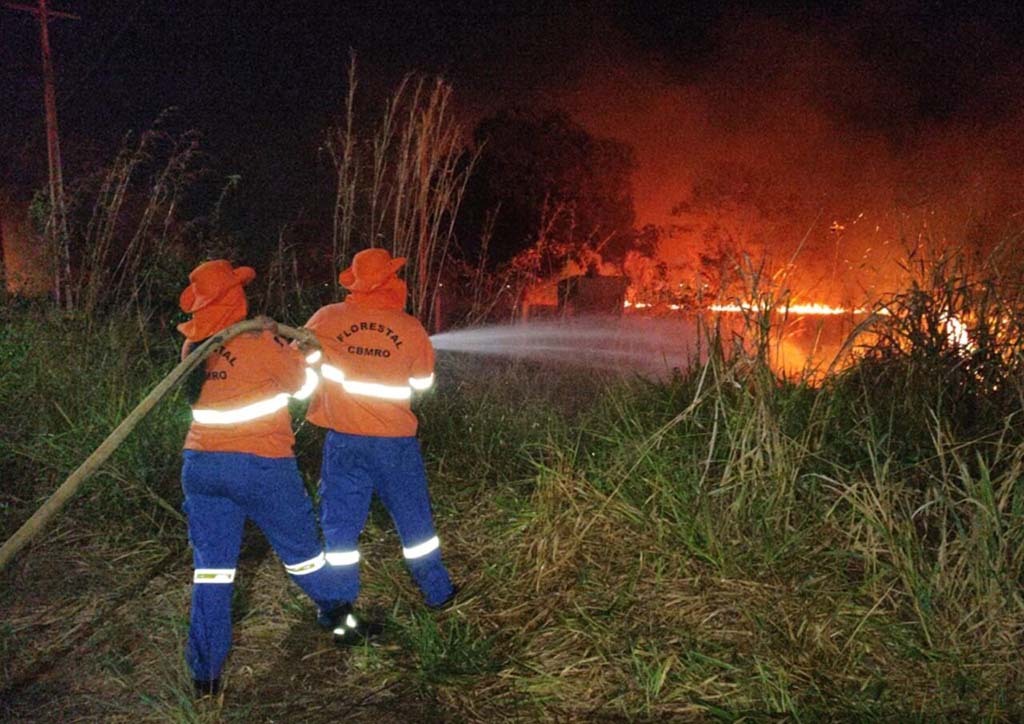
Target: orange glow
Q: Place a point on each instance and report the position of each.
(803, 308)
(26, 261)
(810, 308)
(798, 348)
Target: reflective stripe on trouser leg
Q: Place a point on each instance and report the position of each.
(215, 530)
(343, 558)
(403, 490)
(304, 568)
(345, 491)
(427, 569)
(419, 550)
(344, 566)
(431, 576)
(319, 581)
(282, 509)
(213, 575)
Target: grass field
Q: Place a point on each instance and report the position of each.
(724, 546)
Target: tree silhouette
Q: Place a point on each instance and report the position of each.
(557, 190)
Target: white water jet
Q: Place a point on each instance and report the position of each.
(651, 347)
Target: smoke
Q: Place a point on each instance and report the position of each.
(849, 140)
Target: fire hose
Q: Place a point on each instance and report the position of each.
(60, 497)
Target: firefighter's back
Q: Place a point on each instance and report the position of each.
(372, 361)
(243, 405)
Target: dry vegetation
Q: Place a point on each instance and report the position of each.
(400, 185)
(723, 546)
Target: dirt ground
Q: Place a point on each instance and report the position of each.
(99, 634)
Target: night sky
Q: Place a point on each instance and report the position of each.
(685, 83)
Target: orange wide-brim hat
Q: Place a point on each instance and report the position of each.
(210, 281)
(370, 268)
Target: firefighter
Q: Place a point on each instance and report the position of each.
(239, 463)
(375, 356)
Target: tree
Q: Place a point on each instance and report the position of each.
(558, 191)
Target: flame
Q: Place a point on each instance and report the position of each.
(818, 308)
(804, 308)
(956, 332)
(807, 308)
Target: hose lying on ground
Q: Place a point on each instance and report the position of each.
(31, 527)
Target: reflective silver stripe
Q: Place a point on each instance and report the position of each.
(306, 567)
(214, 575)
(373, 389)
(366, 389)
(342, 558)
(312, 380)
(314, 357)
(241, 414)
(332, 373)
(422, 383)
(418, 551)
(350, 621)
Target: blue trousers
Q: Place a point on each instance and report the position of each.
(354, 468)
(222, 490)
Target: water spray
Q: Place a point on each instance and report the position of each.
(639, 345)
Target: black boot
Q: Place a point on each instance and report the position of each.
(448, 601)
(353, 631)
(328, 619)
(206, 687)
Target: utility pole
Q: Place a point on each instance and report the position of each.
(57, 225)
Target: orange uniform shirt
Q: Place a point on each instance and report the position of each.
(252, 369)
(373, 360)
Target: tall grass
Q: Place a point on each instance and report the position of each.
(725, 545)
(400, 185)
(735, 544)
(130, 225)
(66, 384)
